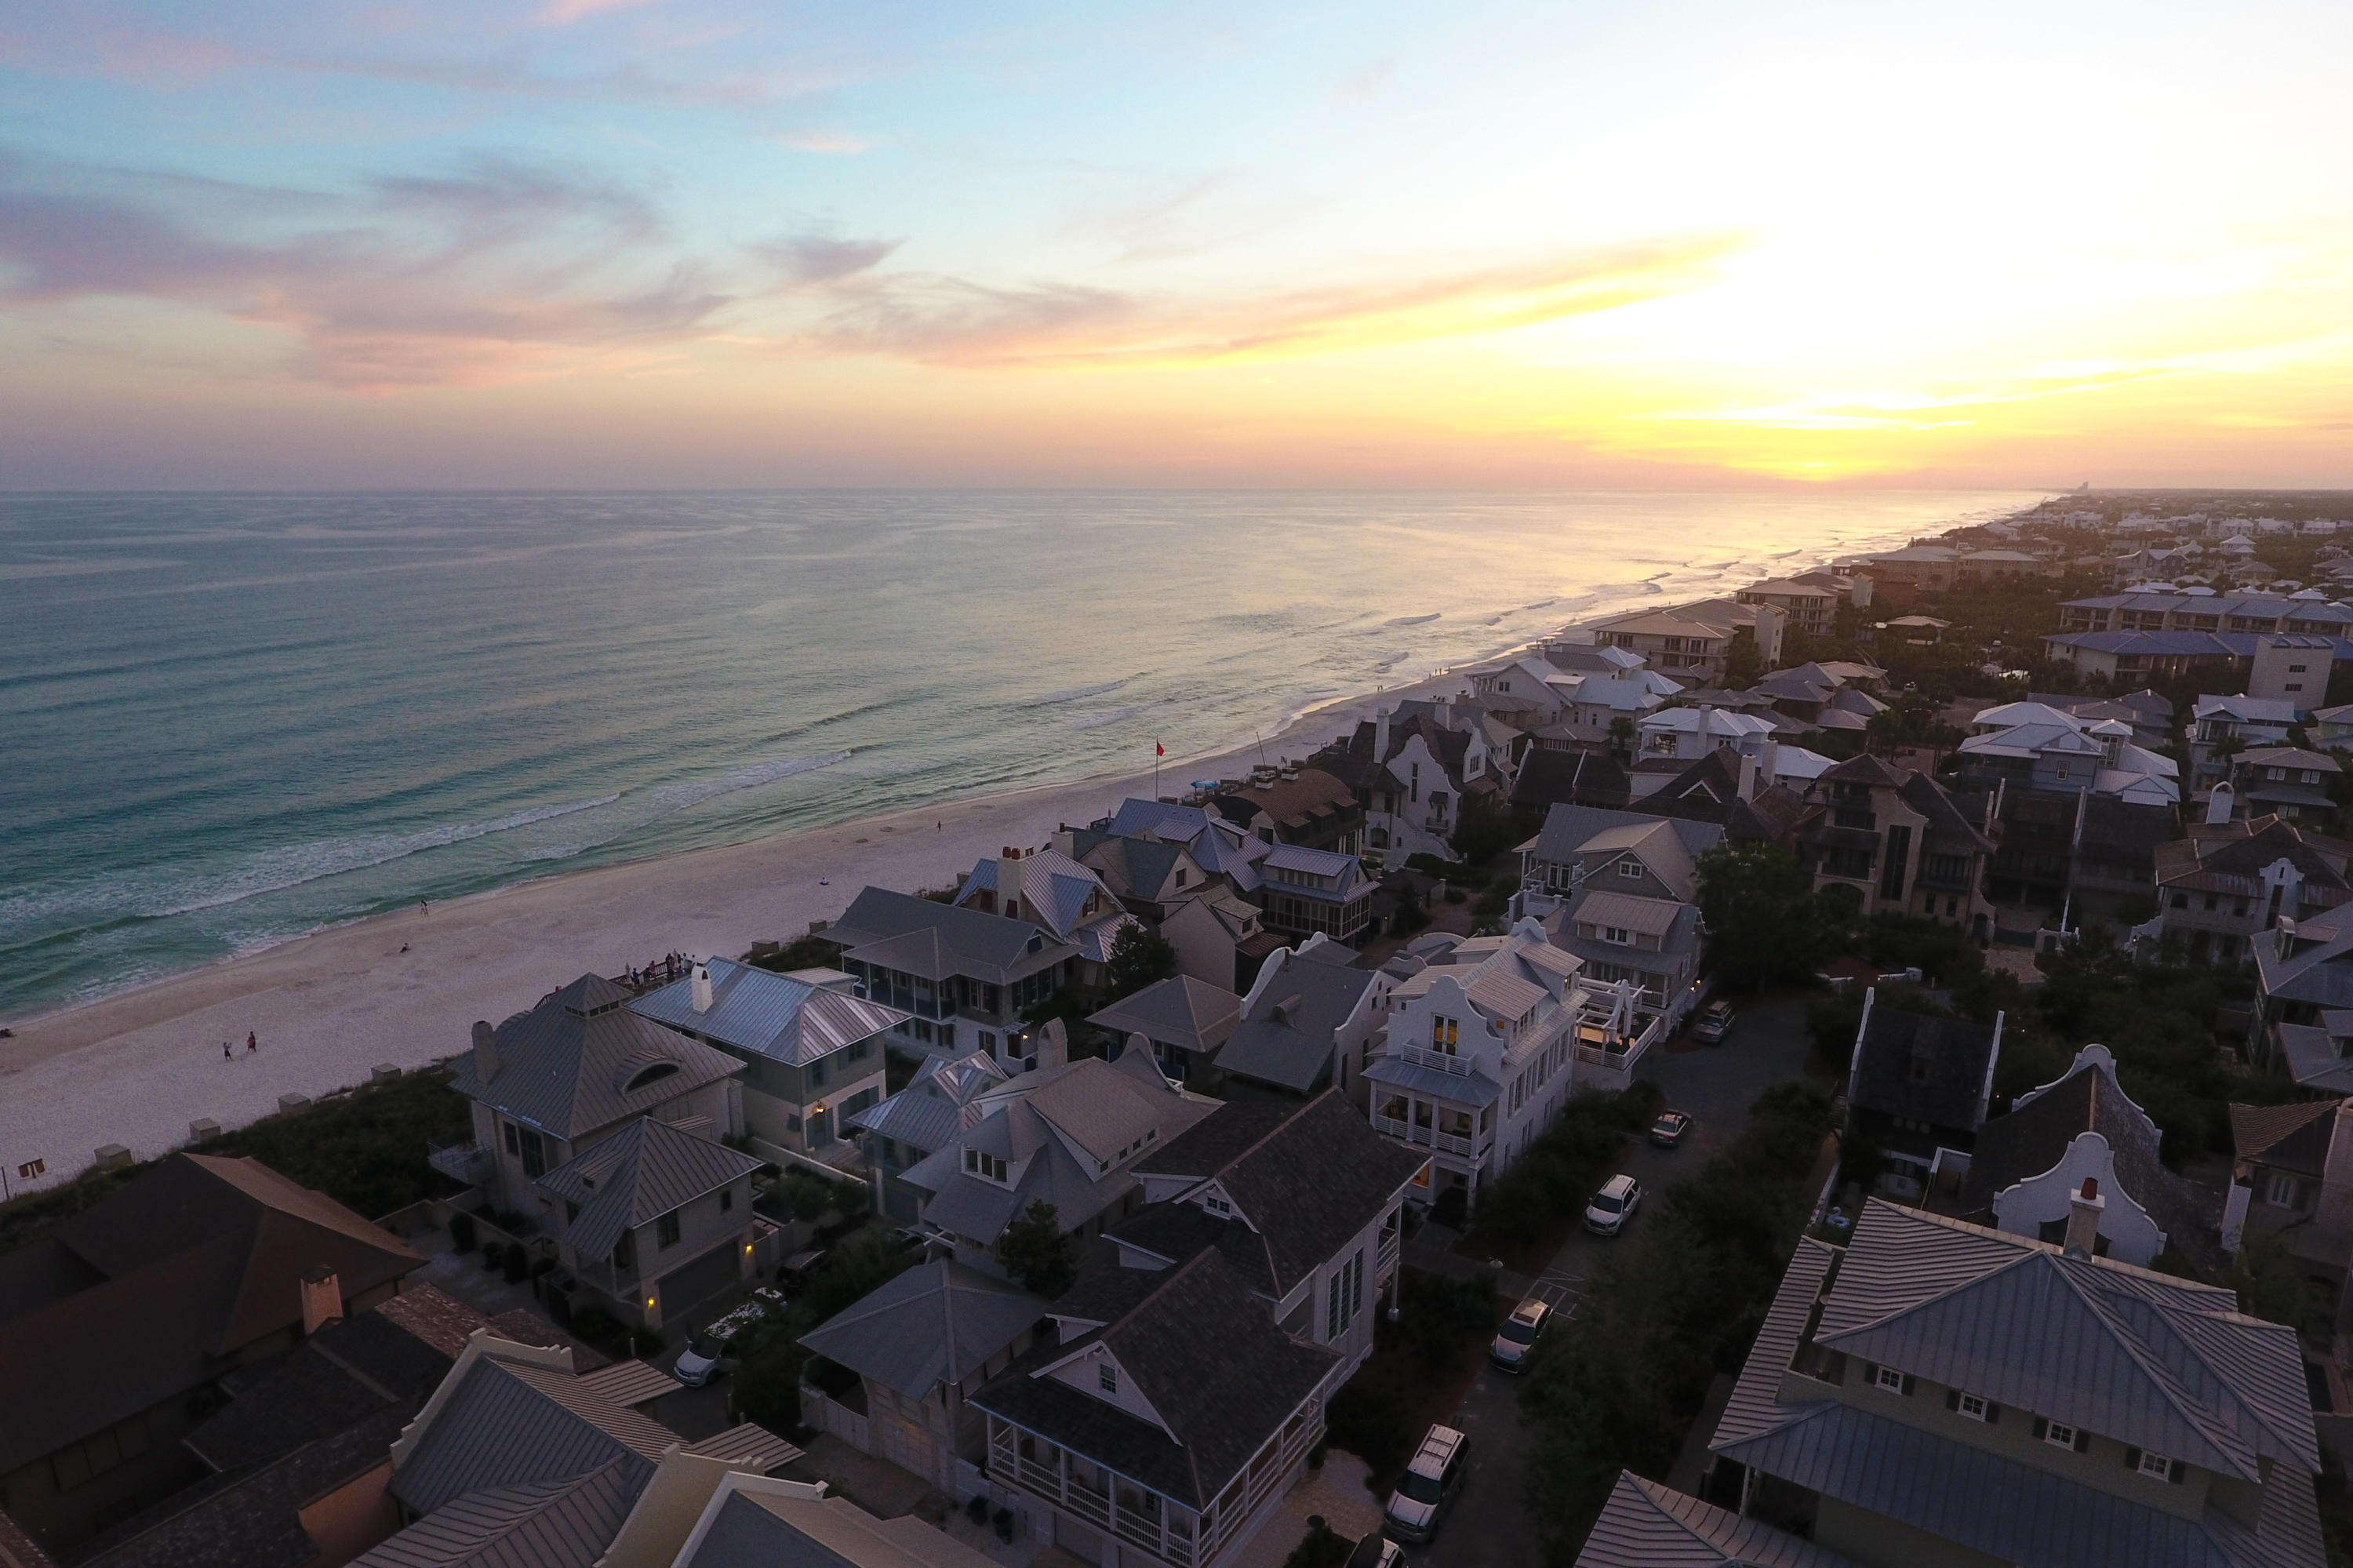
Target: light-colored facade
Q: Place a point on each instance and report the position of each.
(653, 1220)
(1897, 840)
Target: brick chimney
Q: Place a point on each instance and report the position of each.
(2084, 1207)
(322, 1299)
(485, 1051)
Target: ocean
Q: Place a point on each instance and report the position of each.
(232, 719)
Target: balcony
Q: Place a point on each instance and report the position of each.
(1432, 1138)
(464, 1162)
(1441, 1061)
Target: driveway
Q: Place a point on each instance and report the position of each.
(1717, 1084)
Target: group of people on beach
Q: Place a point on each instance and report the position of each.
(252, 1046)
(661, 971)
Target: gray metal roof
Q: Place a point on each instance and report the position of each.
(1179, 1011)
(757, 1528)
(930, 1110)
(2012, 1512)
(1756, 1402)
(511, 1424)
(1054, 890)
(924, 937)
(567, 1066)
(2143, 1358)
(646, 1170)
(769, 1015)
(1647, 1525)
(939, 1322)
(1567, 829)
(566, 1523)
(1473, 1089)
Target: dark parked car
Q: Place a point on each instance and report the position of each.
(1714, 1023)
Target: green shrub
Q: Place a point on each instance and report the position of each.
(1320, 1548)
(1370, 1423)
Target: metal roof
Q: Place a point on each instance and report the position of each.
(1470, 1089)
(2143, 1358)
(510, 1423)
(929, 1111)
(1179, 1011)
(644, 1170)
(1647, 1525)
(925, 937)
(769, 1015)
(1649, 917)
(938, 1322)
(1054, 890)
(567, 1066)
(565, 1523)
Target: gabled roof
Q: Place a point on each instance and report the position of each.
(925, 937)
(1298, 803)
(769, 1015)
(644, 1170)
(1624, 911)
(2035, 1134)
(1647, 1525)
(562, 1523)
(937, 1322)
(1179, 1011)
(142, 1296)
(1314, 1176)
(1956, 1055)
(519, 1424)
(929, 1111)
(1568, 829)
(1054, 891)
(1289, 1019)
(1221, 1394)
(761, 1529)
(2291, 1137)
(1548, 778)
(2143, 1358)
(568, 1066)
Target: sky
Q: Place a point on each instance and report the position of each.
(595, 243)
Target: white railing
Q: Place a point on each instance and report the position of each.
(1422, 1056)
(1430, 1137)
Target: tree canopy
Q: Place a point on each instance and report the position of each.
(1038, 1252)
(1137, 959)
(1765, 925)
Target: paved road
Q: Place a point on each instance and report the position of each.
(1490, 1527)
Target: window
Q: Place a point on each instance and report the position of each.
(665, 1230)
(652, 1073)
(1888, 1378)
(515, 1143)
(2285, 1191)
(1618, 936)
(726, 1200)
(990, 1167)
(1629, 869)
(2157, 1467)
(1971, 1405)
(535, 1155)
(2058, 1434)
(1216, 1205)
(1346, 1299)
(1107, 1378)
(1443, 1034)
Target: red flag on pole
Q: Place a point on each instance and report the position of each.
(1158, 749)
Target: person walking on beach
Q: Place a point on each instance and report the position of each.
(251, 1043)
(227, 1055)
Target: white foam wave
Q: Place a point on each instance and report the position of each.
(293, 865)
(1097, 721)
(1412, 619)
(679, 797)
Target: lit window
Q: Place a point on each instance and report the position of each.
(1443, 1034)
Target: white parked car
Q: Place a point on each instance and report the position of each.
(1613, 1206)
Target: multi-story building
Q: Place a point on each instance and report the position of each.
(963, 975)
(1412, 776)
(2227, 884)
(1308, 1023)
(1482, 1044)
(2285, 781)
(811, 1048)
(1898, 840)
(2291, 1181)
(1310, 891)
(940, 1101)
(1303, 806)
(2249, 722)
(2030, 746)
(1811, 609)
(1694, 641)
(1938, 1393)
(651, 1222)
(550, 1084)
(1068, 1136)
(1181, 1023)
(1065, 900)
(1620, 891)
(1918, 1090)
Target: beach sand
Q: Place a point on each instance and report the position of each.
(137, 1067)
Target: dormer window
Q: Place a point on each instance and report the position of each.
(989, 1166)
(650, 1074)
(1218, 1206)
(1629, 869)
(1107, 1378)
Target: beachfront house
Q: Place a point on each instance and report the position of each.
(811, 1049)
(577, 1068)
(1068, 1136)
(1412, 776)
(1309, 1023)
(964, 976)
(1480, 1049)
(1065, 900)
(651, 1222)
(1311, 891)
(912, 1124)
(1302, 806)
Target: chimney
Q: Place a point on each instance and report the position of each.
(1748, 790)
(1008, 882)
(322, 1299)
(2084, 1206)
(1445, 706)
(701, 988)
(1381, 735)
(485, 1051)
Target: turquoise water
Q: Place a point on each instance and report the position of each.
(230, 719)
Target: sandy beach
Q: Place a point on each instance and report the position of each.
(405, 987)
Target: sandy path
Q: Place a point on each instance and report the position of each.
(136, 1068)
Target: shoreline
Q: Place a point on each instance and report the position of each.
(404, 988)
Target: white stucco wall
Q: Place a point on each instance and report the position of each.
(2023, 1208)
